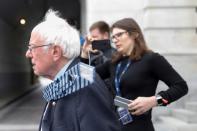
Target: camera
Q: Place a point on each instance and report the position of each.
(101, 45)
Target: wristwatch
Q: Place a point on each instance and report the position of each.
(161, 101)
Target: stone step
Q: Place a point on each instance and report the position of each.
(162, 127)
(185, 115)
(192, 106)
(170, 3)
(167, 123)
(171, 121)
(17, 127)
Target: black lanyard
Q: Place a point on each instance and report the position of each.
(117, 80)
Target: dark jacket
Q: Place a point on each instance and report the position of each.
(89, 109)
(105, 51)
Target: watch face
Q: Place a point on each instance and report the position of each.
(159, 100)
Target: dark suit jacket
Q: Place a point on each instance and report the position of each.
(89, 109)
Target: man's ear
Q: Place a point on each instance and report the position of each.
(106, 35)
(57, 52)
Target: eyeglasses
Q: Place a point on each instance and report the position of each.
(118, 35)
(30, 47)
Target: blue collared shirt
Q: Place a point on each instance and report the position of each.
(61, 72)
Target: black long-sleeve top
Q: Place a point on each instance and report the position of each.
(142, 76)
(141, 79)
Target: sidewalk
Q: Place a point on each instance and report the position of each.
(25, 114)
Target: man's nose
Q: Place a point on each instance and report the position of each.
(28, 54)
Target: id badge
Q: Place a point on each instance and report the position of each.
(87, 71)
(125, 116)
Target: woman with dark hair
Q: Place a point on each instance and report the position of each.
(135, 72)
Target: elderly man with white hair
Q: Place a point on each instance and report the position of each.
(77, 99)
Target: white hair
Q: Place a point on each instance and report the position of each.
(57, 31)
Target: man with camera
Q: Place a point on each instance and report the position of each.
(100, 38)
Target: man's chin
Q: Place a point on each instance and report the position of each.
(119, 51)
(36, 73)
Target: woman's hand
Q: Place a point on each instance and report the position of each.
(142, 104)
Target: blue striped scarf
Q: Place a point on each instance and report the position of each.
(68, 83)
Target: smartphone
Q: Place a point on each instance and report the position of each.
(101, 45)
(122, 102)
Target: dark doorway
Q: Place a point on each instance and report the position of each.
(15, 70)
